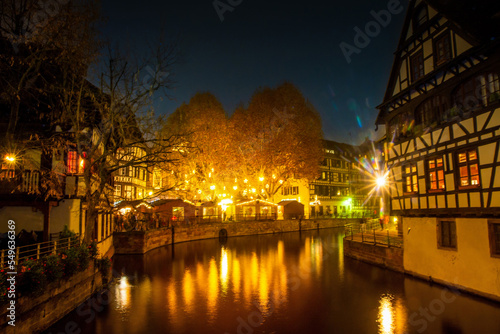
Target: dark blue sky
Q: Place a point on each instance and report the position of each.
(264, 43)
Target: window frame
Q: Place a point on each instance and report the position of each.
(413, 175)
(417, 60)
(453, 238)
(430, 111)
(494, 237)
(72, 163)
(446, 40)
(118, 189)
(467, 164)
(436, 169)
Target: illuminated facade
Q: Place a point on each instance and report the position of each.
(53, 186)
(130, 181)
(442, 115)
(342, 188)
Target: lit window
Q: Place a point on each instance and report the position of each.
(81, 163)
(468, 167)
(410, 178)
(435, 174)
(72, 162)
(118, 190)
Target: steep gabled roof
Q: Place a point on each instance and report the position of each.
(477, 22)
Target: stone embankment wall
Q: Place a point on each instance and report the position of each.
(140, 242)
(381, 255)
(35, 314)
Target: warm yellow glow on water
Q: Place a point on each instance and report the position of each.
(213, 289)
(285, 283)
(236, 279)
(123, 294)
(224, 270)
(392, 315)
(188, 291)
(386, 315)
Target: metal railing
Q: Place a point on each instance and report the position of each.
(371, 233)
(36, 251)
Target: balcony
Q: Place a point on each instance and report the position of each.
(25, 182)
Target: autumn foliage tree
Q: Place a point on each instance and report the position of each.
(252, 154)
(277, 138)
(207, 157)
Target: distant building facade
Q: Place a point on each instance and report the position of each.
(342, 188)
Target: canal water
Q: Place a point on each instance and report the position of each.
(282, 283)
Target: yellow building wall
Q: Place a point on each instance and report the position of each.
(24, 216)
(302, 197)
(67, 213)
(462, 45)
(456, 267)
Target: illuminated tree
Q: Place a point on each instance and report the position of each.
(205, 164)
(278, 137)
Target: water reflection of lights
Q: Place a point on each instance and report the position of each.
(392, 315)
(317, 255)
(386, 315)
(224, 270)
(188, 289)
(340, 243)
(236, 279)
(264, 291)
(213, 289)
(123, 294)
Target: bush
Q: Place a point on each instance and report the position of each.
(67, 233)
(93, 250)
(4, 285)
(104, 265)
(32, 278)
(69, 261)
(53, 267)
(83, 254)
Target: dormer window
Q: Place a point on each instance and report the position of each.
(420, 17)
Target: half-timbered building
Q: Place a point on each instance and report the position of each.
(442, 116)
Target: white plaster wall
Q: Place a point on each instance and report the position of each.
(24, 216)
(470, 266)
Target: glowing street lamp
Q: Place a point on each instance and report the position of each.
(381, 181)
(10, 158)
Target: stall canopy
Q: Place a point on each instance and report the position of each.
(257, 209)
(174, 209)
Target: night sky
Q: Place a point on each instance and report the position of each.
(264, 43)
